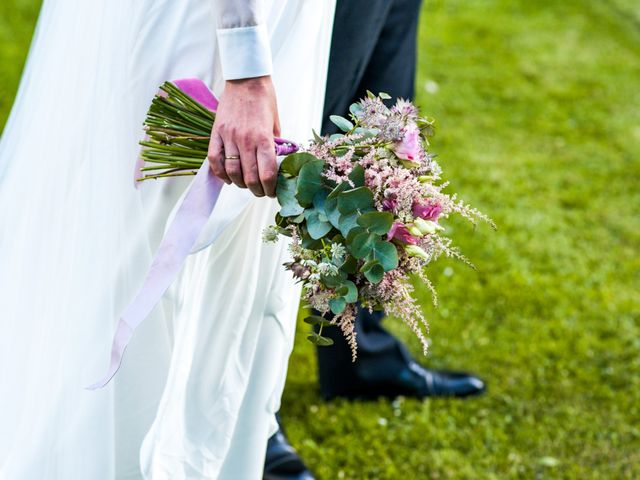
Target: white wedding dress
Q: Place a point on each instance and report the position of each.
(202, 378)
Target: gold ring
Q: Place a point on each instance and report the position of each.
(232, 157)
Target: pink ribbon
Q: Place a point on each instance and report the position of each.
(179, 239)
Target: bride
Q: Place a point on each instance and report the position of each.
(202, 378)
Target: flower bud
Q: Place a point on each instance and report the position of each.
(426, 226)
(415, 251)
(415, 231)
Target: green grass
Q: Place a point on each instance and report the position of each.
(538, 107)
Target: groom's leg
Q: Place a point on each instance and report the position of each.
(383, 59)
(373, 48)
(379, 55)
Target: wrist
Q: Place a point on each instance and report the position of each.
(251, 84)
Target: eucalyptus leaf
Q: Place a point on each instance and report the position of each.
(337, 305)
(316, 227)
(342, 290)
(366, 133)
(350, 265)
(375, 273)
(309, 182)
(363, 244)
(341, 122)
(352, 292)
(331, 211)
(310, 243)
(341, 187)
(369, 264)
(293, 163)
(355, 231)
(324, 341)
(360, 198)
(355, 109)
(317, 320)
(285, 191)
(332, 281)
(376, 222)
(347, 222)
(386, 253)
(319, 340)
(319, 199)
(357, 176)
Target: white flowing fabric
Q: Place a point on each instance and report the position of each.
(203, 376)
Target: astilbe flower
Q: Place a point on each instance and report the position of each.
(346, 321)
(396, 290)
(338, 168)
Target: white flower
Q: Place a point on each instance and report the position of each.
(270, 234)
(338, 252)
(308, 263)
(327, 269)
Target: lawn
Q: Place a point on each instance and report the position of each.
(538, 110)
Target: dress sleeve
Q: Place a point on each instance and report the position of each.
(243, 39)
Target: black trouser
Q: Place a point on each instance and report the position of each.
(373, 48)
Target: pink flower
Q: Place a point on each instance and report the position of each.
(389, 204)
(430, 211)
(409, 148)
(399, 232)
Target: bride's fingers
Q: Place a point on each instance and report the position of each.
(232, 163)
(250, 168)
(215, 157)
(267, 167)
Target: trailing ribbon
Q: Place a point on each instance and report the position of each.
(179, 239)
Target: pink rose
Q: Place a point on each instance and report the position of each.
(399, 232)
(409, 148)
(430, 211)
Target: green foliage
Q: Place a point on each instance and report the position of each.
(292, 163)
(319, 340)
(354, 200)
(376, 222)
(373, 270)
(309, 182)
(286, 193)
(341, 122)
(317, 320)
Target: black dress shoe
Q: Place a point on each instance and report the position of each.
(412, 380)
(422, 382)
(283, 462)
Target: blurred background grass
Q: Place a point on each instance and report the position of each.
(538, 110)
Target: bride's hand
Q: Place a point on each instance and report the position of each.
(242, 149)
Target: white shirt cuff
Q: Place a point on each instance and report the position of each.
(245, 52)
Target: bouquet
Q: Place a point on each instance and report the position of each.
(363, 208)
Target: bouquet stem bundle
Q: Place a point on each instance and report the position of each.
(178, 129)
